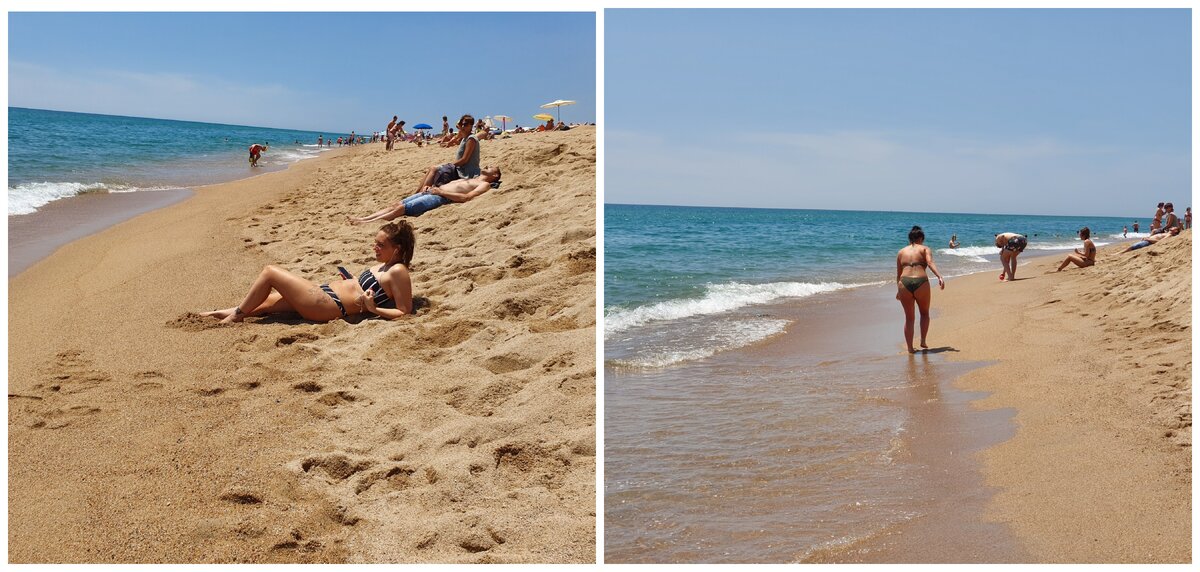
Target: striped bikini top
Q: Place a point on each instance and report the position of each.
(368, 281)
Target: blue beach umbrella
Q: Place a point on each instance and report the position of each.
(422, 126)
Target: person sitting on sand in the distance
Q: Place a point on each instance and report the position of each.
(912, 284)
(432, 197)
(1153, 239)
(1010, 244)
(1169, 219)
(384, 289)
(1081, 258)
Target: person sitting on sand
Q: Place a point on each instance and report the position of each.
(1152, 239)
(384, 289)
(256, 152)
(465, 164)
(457, 191)
(1169, 219)
(1010, 244)
(1081, 258)
(954, 241)
(912, 285)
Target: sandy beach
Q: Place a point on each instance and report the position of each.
(1097, 363)
(141, 432)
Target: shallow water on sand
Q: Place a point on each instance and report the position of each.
(824, 443)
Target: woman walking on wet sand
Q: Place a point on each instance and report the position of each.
(912, 284)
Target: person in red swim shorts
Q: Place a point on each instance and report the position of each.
(256, 151)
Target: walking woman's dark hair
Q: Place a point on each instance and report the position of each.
(401, 234)
(916, 234)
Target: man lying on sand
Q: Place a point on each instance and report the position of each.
(1152, 239)
(459, 191)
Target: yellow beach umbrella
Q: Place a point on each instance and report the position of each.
(558, 103)
(544, 117)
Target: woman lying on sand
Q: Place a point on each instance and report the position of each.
(912, 285)
(1081, 258)
(384, 289)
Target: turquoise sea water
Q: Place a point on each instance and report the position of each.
(56, 154)
(681, 283)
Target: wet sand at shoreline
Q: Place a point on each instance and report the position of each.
(1049, 423)
(140, 432)
(35, 236)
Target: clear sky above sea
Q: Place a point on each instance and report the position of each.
(1032, 111)
(313, 71)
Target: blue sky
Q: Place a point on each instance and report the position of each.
(1082, 112)
(315, 71)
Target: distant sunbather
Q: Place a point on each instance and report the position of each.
(458, 191)
(384, 289)
(1152, 239)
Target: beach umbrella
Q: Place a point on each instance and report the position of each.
(422, 126)
(503, 121)
(558, 103)
(543, 117)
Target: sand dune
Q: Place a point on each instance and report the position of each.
(141, 432)
(1097, 362)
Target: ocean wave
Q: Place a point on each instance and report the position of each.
(1129, 235)
(727, 336)
(977, 253)
(26, 198)
(719, 298)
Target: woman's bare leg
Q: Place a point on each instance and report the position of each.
(907, 302)
(922, 297)
(427, 182)
(294, 294)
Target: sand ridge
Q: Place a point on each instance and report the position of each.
(1097, 363)
(141, 432)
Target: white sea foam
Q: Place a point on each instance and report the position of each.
(26, 198)
(719, 298)
(977, 253)
(727, 335)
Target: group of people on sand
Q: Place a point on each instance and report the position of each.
(1165, 224)
(915, 260)
(383, 288)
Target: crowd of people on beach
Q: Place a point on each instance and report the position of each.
(383, 289)
(913, 261)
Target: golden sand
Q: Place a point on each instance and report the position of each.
(1097, 363)
(141, 432)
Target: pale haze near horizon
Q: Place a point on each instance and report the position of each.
(1066, 112)
(332, 72)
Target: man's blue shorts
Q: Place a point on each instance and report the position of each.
(422, 203)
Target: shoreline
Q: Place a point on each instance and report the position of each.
(1103, 448)
(1145, 462)
(148, 434)
(35, 236)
